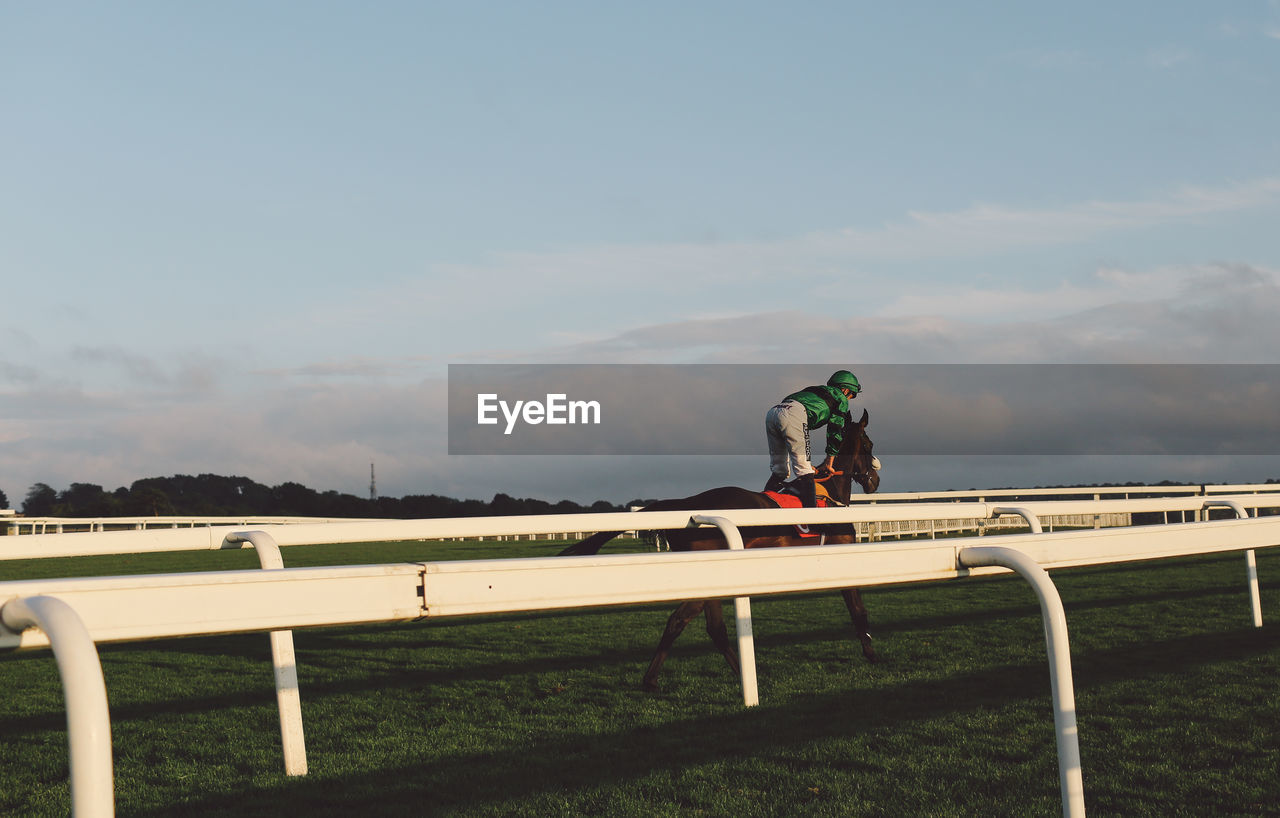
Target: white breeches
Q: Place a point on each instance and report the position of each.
(787, 427)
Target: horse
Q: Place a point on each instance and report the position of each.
(854, 462)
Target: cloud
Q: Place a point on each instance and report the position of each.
(515, 303)
(1107, 286)
(18, 373)
(1168, 57)
(359, 367)
(136, 367)
(1176, 314)
(603, 273)
(324, 432)
(16, 340)
(989, 228)
(101, 367)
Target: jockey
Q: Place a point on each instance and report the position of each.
(787, 426)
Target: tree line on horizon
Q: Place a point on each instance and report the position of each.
(211, 495)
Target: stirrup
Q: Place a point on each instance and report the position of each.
(775, 483)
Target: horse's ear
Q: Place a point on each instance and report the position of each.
(863, 422)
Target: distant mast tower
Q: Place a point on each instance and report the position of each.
(373, 484)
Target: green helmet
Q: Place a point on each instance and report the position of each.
(846, 379)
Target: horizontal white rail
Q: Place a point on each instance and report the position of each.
(166, 605)
(1112, 545)
(1099, 492)
(15, 524)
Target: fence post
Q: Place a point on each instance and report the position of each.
(88, 719)
(1250, 559)
(283, 661)
(1033, 522)
(742, 612)
(1059, 649)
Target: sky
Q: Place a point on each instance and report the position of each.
(249, 238)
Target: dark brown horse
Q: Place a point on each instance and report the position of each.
(854, 462)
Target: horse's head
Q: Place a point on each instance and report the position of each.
(855, 460)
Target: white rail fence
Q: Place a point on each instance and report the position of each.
(72, 615)
(14, 525)
(901, 528)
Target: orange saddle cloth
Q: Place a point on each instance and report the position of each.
(792, 501)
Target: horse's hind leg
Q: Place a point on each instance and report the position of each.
(675, 625)
(719, 633)
(861, 623)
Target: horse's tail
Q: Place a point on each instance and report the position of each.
(724, 497)
(591, 545)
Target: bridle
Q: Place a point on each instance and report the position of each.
(859, 476)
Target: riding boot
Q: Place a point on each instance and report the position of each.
(776, 483)
(806, 490)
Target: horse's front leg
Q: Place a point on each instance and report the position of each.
(675, 625)
(720, 635)
(861, 623)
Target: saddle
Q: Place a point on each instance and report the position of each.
(788, 499)
(788, 494)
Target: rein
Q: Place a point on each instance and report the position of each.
(836, 474)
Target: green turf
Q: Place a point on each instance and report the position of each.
(543, 715)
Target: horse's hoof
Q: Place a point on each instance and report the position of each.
(649, 686)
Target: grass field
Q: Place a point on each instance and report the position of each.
(1178, 697)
